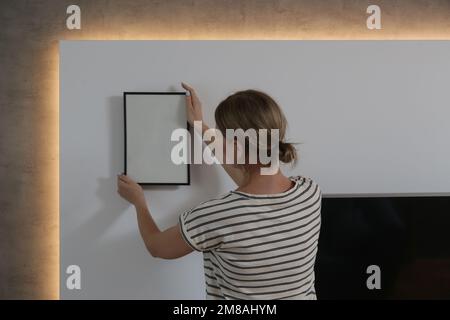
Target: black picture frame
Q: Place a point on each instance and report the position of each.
(127, 93)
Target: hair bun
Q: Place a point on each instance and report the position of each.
(288, 153)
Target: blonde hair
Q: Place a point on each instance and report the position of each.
(253, 109)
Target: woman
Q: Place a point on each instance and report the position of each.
(258, 241)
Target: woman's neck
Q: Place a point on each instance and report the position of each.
(257, 183)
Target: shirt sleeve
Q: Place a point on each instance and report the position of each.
(198, 232)
(186, 234)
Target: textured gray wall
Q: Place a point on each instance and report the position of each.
(29, 33)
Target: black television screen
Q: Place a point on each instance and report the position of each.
(408, 238)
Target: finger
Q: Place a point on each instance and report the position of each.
(195, 98)
(187, 87)
(122, 184)
(189, 101)
(190, 89)
(128, 180)
(125, 179)
(189, 105)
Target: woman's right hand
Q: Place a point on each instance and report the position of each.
(193, 105)
(194, 113)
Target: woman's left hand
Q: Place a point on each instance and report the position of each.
(130, 190)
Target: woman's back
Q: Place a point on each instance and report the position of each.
(258, 246)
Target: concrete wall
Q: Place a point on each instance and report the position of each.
(29, 34)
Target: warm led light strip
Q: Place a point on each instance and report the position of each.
(51, 273)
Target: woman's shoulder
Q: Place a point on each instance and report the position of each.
(208, 205)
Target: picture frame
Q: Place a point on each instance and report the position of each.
(149, 117)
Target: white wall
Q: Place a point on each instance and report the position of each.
(372, 116)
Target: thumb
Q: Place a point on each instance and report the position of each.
(189, 101)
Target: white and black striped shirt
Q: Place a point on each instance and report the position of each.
(258, 246)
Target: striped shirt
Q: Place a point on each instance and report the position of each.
(258, 246)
